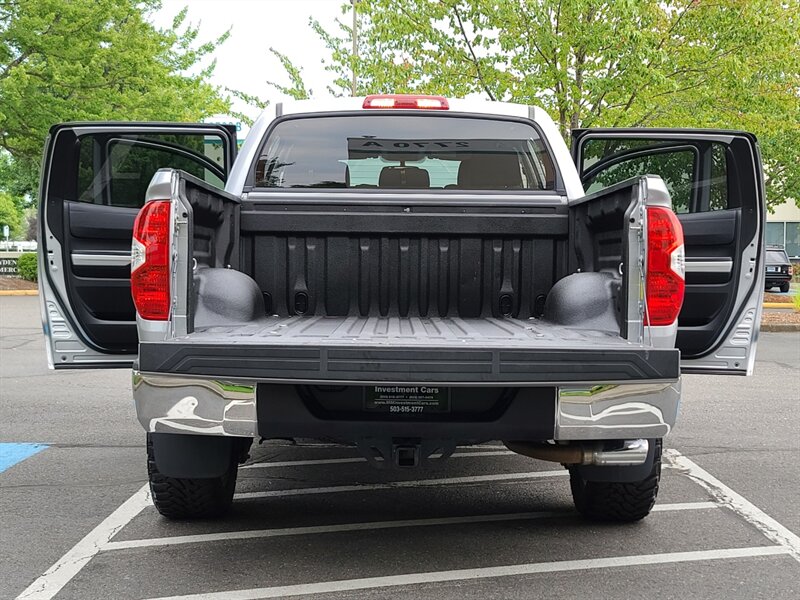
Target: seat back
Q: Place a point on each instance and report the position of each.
(497, 171)
(404, 177)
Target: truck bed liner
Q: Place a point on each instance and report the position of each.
(409, 350)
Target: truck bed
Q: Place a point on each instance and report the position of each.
(409, 350)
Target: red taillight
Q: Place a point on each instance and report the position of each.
(664, 283)
(791, 270)
(406, 101)
(150, 258)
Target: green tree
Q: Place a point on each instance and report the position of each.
(9, 215)
(296, 88)
(64, 60)
(670, 63)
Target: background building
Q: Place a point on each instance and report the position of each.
(783, 228)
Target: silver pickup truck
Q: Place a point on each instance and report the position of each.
(402, 274)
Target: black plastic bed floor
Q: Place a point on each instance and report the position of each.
(406, 350)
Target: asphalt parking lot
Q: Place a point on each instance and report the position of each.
(314, 521)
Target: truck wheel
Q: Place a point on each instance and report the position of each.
(785, 287)
(620, 502)
(190, 498)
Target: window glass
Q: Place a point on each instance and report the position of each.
(366, 172)
(718, 187)
(777, 256)
(116, 169)
(774, 235)
(676, 168)
(793, 239)
(404, 151)
(695, 172)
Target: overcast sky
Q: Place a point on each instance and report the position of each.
(244, 61)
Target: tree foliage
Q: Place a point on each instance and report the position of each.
(72, 60)
(296, 88)
(9, 215)
(31, 229)
(657, 63)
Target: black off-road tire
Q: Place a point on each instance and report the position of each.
(620, 502)
(177, 498)
(785, 287)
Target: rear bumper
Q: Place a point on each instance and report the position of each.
(207, 406)
(778, 278)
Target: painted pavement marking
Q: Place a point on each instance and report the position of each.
(369, 526)
(13, 453)
(99, 539)
(725, 496)
(326, 587)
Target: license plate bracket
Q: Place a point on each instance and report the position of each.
(406, 400)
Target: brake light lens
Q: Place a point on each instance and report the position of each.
(406, 101)
(665, 282)
(150, 261)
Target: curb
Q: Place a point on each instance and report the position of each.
(780, 327)
(778, 305)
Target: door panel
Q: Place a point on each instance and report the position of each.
(704, 231)
(711, 243)
(719, 198)
(93, 183)
(99, 288)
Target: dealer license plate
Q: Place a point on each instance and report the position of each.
(407, 399)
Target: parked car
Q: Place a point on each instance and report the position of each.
(404, 274)
(778, 269)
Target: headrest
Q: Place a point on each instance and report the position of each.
(404, 177)
(495, 171)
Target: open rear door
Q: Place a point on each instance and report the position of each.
(94, 178)
(716, 184)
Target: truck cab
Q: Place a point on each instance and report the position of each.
(403, 274)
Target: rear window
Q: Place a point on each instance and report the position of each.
(404, 152)
(777, 256)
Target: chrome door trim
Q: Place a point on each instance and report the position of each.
(100, 260)
(709, 266)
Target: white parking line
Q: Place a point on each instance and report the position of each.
(725, 496)
(318, 529)
(99, 539)
(57, 576)
(401, 484)
(483, 573)
(358, 459)
(368, 526)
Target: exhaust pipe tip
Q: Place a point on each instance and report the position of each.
(629, 453)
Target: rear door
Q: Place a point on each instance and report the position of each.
(716, 184)
(94, 178)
